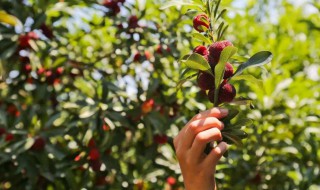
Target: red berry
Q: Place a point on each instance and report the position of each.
(2, 131)
(147, 54)
(227, 93)
(133, 21)
(24, 39)
(171, 181)
(159, 49)
(205, 81)
(147, 106)
(137, 57)
(13, 110)
(92, 143)
(112, 5)
(26, 68)
(201, 22)
(95, 165)
(46, 31)
(9, 137)
(216, 49)
(160, 139)
(94, 154)
(39, 144)
(228, 71)
(202, 50)
(41, 71)
(59, 71)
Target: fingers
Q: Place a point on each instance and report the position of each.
(202, 139)
(216, 153)
(214, 112)
(196, 127)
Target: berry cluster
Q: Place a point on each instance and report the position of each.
(113, 5)
(206, 81)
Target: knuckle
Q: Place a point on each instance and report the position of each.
(201, 138)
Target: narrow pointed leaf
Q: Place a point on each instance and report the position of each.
(8, 19)
(258, 59)
(226, 54)
(249, 78)
(231, 139)
(180, 3)
(201, 38)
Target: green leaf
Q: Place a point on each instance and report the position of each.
(223, 12)
(196, 61)
(226, 54)
(201, 38)
(258, 59)
(216, 9)
(38, 20)
(242, 123)
(241, 101)
(180, 3)
(249, 78)
(231, 139)
(232, 114)
(182, 81)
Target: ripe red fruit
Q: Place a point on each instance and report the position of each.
(202, 50)
(137, 57)
(13, 110)
(92, 143)
(160, 139)
(113, 6)
(94, 154)
(41, 71)
(171, 181)
(227, 93)
(59, 71)
(147, 54)
(228, 71)
(95, 165)
(216, 48)
(205, 81)
(201, 22)
(147, 106)
(9, 137)
(2, 131)
(46, 31)
(39, 144)
(133, 21)
(24, 39)
(159, 49)
(26, 68)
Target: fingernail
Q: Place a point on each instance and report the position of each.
(224, 111)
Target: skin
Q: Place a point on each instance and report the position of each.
(197, 168)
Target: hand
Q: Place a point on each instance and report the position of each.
(198, 168)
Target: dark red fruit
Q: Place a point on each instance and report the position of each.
(39, 144)
(2, 131)
(95, 165)
(9, 137)
(133, 21)
(227, 93)
(159, 49)
(46, 31)
(201, 22)
(171, 181)
(160, 139)
(24, 39)
(205, 81)
(94, 154)
(13, 110)
(59, 71)
(202, 50)
(137, 57)
(113, 6)
(228, 71)
(26, 68)
(92, 143)
(216, 49)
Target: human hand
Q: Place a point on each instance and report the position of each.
(198, 168)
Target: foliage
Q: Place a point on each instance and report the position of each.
(99, 73)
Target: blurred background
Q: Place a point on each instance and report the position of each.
(88, 96)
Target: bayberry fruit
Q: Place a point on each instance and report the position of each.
(228, 71)
(9, 137)
(94, 154)
(137, 57)
(46, 31)
(133, 21)
(160, 139)
(216, 49)
(227, 93)
(205, 81)
(201, 22)
(171, 181)
(39, 144)
(202, 50)
(2, 131)
(147, 106)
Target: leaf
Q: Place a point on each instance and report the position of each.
(241, 101)
(216, 9)
(249, 78)
(226, 54)
(9, 19)
(201, 38)
(182, 81)
(180, 3)
(258, 59)
(231, 139)
(232, 114)
(222, 13)
(196, 61)
(242, 122)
